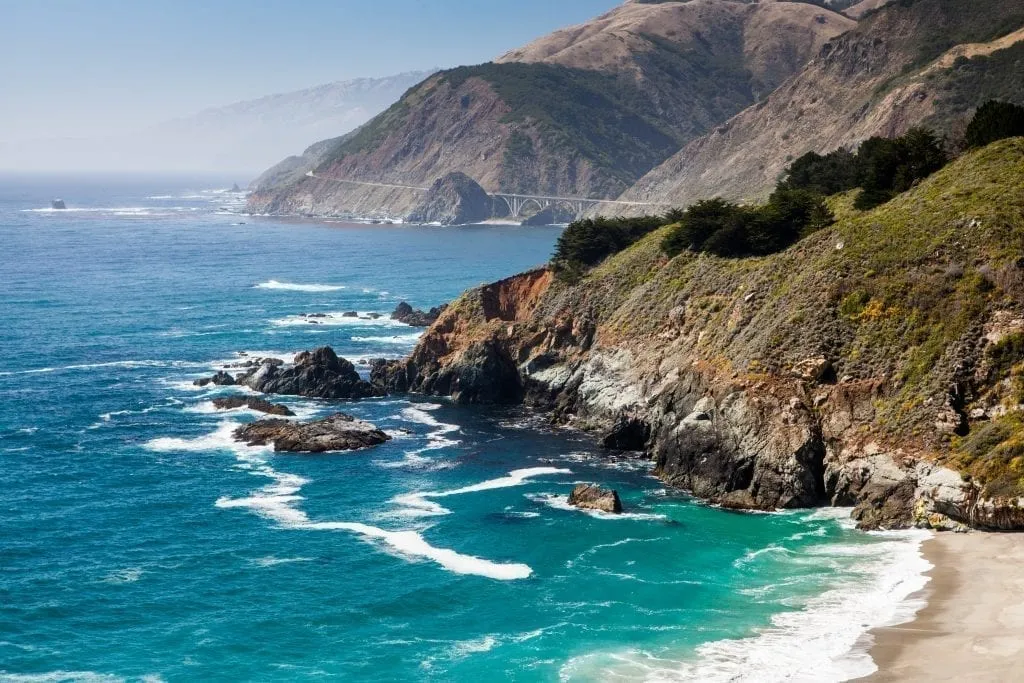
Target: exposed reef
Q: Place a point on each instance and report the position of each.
(339, 432)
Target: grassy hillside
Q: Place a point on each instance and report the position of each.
(903, 295)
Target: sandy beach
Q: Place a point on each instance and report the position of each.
(972, 628)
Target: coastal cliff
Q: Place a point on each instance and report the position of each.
(876, 363)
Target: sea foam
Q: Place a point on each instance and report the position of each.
(822, 642)
(296, 287)
(278, 502)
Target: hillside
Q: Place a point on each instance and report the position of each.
(244, 137)
(907, 63)
(582, 112)
(877, 363)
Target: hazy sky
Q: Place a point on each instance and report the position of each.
(83, 68)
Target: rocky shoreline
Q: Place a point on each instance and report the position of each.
(792, 439)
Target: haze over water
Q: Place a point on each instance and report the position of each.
(140, 541)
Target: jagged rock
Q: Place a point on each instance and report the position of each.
(339, 432)
(455, 199)
(350, 314)
(316, 374)
(629, 433)
(405, 313)
(220, 378)
(252, 403)
(593, 497)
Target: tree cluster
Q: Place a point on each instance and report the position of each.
(881, 167)
(995, 121)
(727, 229)
(587, 242)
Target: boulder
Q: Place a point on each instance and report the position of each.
(221, 379)
(339, 432)
(316, 374)
(455, 199)
(813, 369)
(252, 403)
(593, 497)
(405, 313)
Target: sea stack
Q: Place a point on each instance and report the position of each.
(593, 497)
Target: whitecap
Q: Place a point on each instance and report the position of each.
(272, 561)
(126, 364)
(418, 504)
(326, 319)
(408, 339)
(296, 287)
(412, 544)
(277, 502)
(60, 677)
(120, 576)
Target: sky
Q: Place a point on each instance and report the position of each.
(87, 68)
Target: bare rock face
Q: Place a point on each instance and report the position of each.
(339, 432)
(455, 199)
(316, 374)
(258, 404)
(593, 497)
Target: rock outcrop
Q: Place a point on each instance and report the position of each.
(220, 378)
(405, 313)
(258, 404)
(593, 497)
(316, 374)
(339, 432)
(455, 199)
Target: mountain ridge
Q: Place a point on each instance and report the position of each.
(538, 122)
(898, 68)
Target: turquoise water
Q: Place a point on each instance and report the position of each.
(137, 541)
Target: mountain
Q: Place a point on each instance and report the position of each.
(584, 111)
(244, 137)
(876, 363)
(907, 63)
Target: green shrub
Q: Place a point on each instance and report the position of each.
(1006, 353)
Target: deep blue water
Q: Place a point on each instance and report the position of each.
(137, 541)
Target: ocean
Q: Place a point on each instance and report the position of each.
(138, 541)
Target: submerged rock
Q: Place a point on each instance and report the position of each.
(593, 497)
(316, 374)
(258, 404)
(338, 432)
(404, 313)
(455, 199)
